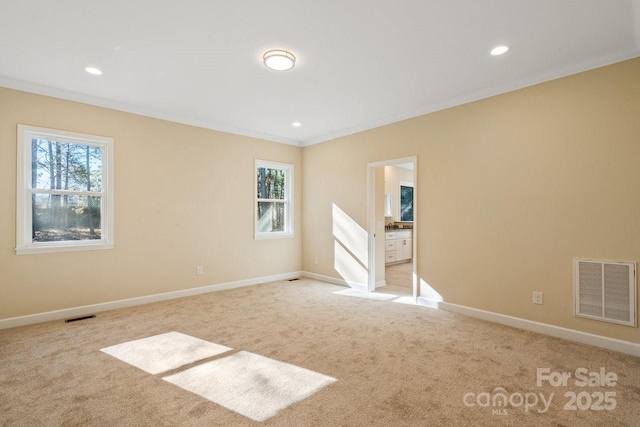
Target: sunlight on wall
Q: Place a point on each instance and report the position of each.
(351, 235)
(429, 296)
(349, 268)
(350, 250)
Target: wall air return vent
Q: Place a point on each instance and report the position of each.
(605, 290)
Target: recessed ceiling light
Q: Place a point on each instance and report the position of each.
(279, 60)
(296, 124)
(93, 70)
(499, 50)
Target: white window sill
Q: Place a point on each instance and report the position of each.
(266, 236)
(62, 247)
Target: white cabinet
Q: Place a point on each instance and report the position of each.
(398, 246)
(390, 257)
(403, 249)
(389, 247)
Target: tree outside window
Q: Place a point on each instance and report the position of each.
(64, 202)
(273, 200)
(406, 201)
(72, 214)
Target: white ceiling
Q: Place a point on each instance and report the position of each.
(361, 63)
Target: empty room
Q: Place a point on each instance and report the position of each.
(295, 213)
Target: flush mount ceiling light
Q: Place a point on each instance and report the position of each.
(499, 50)
(279, 60)
(296, 124)
(93, 70)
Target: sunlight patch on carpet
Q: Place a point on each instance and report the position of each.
(378, 296)
(164, 352)
(249, 384)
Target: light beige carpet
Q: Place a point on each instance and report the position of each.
(395, 364)
(249, 384)
(164, 352)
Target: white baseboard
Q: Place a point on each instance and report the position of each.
(381, 283)
(67, 313)
(529, 325)
(542, 328)
(335, 281)
(428, 302)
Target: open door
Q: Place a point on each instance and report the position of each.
(376, 201)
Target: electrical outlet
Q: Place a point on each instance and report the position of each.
(199, 271)
(537, 298)
(315, 260)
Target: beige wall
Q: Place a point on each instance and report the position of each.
(392, 177)
(183, 198)
(511, 189)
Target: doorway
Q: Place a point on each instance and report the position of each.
(392, 226)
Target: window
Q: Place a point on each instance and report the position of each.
(406, 201)
(274, 200)
(65, 191)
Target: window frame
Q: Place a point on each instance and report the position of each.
(406, 184)
(288, 200)
(24, 218)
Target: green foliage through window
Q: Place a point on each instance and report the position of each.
(67, 180)
(271, 184)
(272, 198)
(406, 203)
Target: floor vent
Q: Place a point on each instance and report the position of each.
(605, 290)
(293, 280)
(75, 319)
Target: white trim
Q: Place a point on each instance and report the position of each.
(515, 322)
(381, 283)
(509, 86)
(371, 228)
(288, 200)
(142, 111)
(371, 219)
(274, 235)
(24, 243)
(428, 302)
(49, 247)
(335, 281)
(394, 162)
(529, 325)
(84, 310)
(541, 328)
